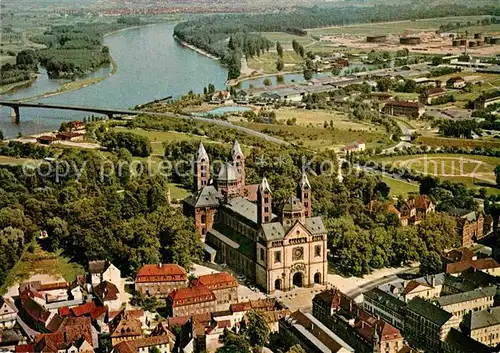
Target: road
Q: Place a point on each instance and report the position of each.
(378, 282)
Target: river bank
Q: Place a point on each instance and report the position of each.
(196, 49)
(17, 85)
(244, 78)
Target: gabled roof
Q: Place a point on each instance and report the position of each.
(315, 225)
(137, 345)
(125, 325)
(412, 285)
(106, 291)
(208, 196)
(304, 181)
(429, 311)
(217, 280)
(273, 231)
(467, 296)
(190, 296)
(99, 266)
(147, 271)
(481, 319)
(264, 186)
(9, 303)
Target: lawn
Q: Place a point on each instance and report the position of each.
(286, 39)
(41, 262)
(319, 138)
(267, 62)
(319, 116)
(393, 27)
(398, 187)
(157, 138)
(472, 170)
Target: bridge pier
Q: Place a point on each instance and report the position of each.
(110, 115)
(16, 116)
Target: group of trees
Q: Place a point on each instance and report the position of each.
(22, 70)
(453, 26)
(135, 144)
(93, 209)
(460, 128)
(298, 48)
(253, 336)
(23, 150)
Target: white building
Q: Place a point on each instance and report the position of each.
(104, 270)
(8, 313)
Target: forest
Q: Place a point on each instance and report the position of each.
(211, 33)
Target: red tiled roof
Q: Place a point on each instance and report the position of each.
(47, 138)
(484, 264)
(138, 314)
(135, 345)
(191, 295)
(250, 192)
(161, 273)
(106, 291)
(411, 286)
(435, 91)
(459, 255)
(215, 281)
(25, 348)
(72, 329)
(422, 202)
(53, 286)
(84, 309)
(239, 307)
(479, 264)
(125, 325)
(64, 311)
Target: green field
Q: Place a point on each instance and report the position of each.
(319, 138)
(267, 62)
(393, 27)
(41, 262)
(472, 170)
(400, 188)
(286, 39)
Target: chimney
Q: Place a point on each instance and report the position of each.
(433, 281)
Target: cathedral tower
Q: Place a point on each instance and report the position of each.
(304, 194)
(264, 203)
(239, 162)
(201, 168)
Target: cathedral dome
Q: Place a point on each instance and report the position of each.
(228, 173)
(293, 204)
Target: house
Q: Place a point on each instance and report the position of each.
(36, 316)
(46, 139)
(427, 325)
(432, 94)
(103, 270)
(107, 294)
(75, 335)
(375, 206)
(384, 306)
(415, 210)
(70, 136)
(163, 344)
(191, 300)
(221, 96)
(356, 146)
(76, 125)
(462, 303)
(124, 327)
(360, 330)
(487, 265)
(160, 279)
(456, 82)
(311, 334)
(8, 313)
(223, 285)
(406, 108)
(487, 99)
(457, 342)
(53, 296)
(470, 225)
(484, 326)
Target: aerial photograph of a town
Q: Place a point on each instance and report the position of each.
(252, 176)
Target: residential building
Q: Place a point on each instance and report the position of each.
(47, 139)
(457, 342)
(484, 326)
(163, 343)
(277, 252)
(191, 300)
(462, 303)
(361, 331)
(356, 146)
(223, 285)
(311, 334)
(36, 316)
(221, 96)
(76, 125)
(103, 270)
(161, 279)
(70, 136)
(74, 335)
(426, 325)
(416, 209)
(432, 94)
(470, 225)
(8, 313)
(406, 108)
(487, 99)
(456, 82)
(124, 327)
(385, 307)
(107, 294)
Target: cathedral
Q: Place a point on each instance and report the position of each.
(277, 251)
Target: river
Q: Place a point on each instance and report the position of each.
(151, 65)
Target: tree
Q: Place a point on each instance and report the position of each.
(257, 331)
(296, 349)
(307, 74)
(497, 175)
(279, 49)
(267, 81)
(431, 263)
(439, 232)
(1, 135)
(234, 343)
(280, 65)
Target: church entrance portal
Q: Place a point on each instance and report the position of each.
(277, 284)
(298, 279)
(317, 278)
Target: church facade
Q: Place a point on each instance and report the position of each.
(277, 251)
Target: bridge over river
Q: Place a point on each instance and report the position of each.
(16, 105)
